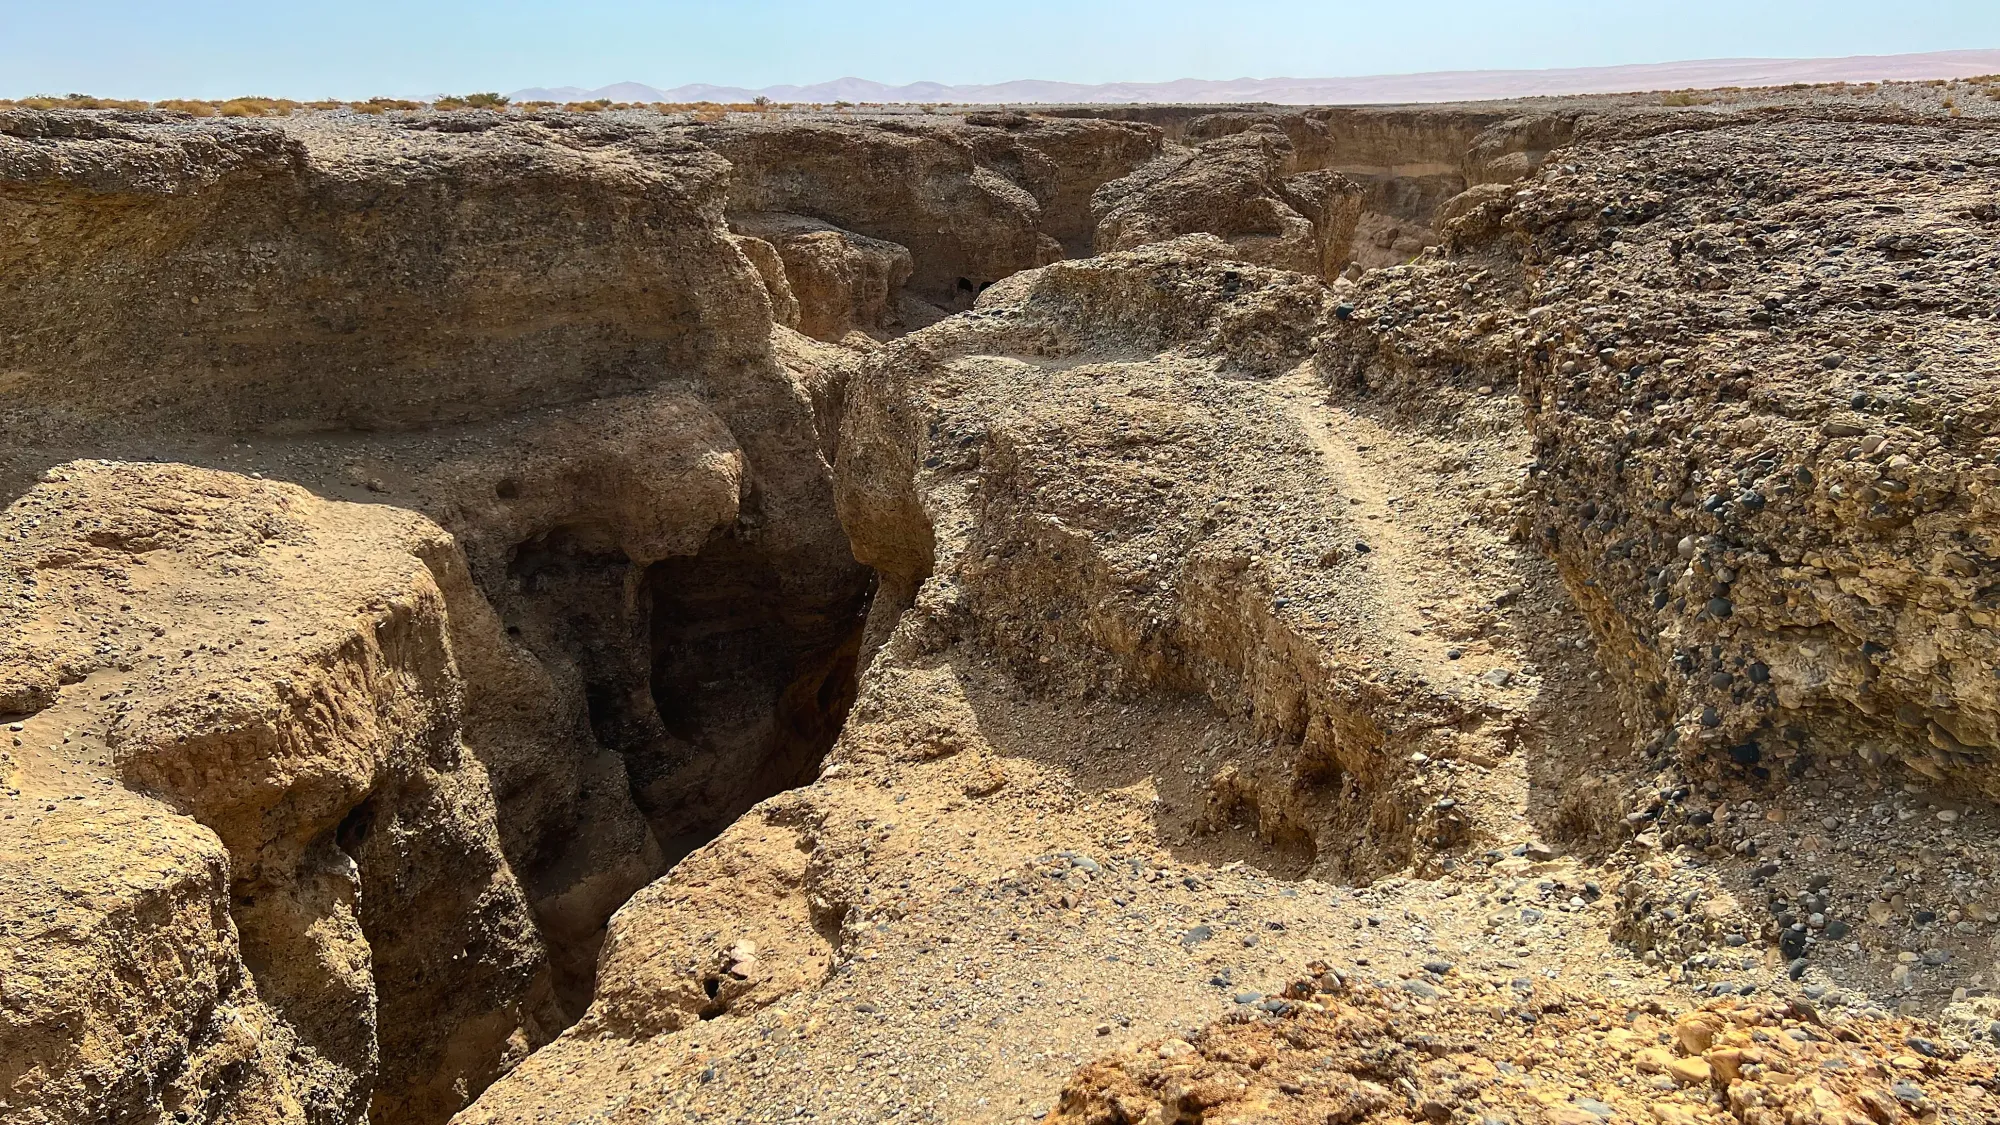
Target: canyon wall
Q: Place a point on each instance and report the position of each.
(538, 617)
(1750, 355)
(641, 615)
(1405, 161)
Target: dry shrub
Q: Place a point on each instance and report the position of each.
(74, 101)
(486, 100)
(383, 105)
(257, 107)
(187, 106)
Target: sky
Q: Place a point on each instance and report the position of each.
(415, 48)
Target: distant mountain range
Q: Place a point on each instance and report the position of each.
(1439, 86)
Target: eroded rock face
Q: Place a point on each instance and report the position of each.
(1405, 162)
(273, 277)
(1775, 514)
(1230, 619)
(841, 281)
(264, 686)
(973, 200)
(1237, 188)
(624, 406)
(1107, 534)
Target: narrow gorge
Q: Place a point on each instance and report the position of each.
(1100, 614)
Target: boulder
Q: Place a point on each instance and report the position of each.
(1237, 189)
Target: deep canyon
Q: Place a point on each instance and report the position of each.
(1109, 614)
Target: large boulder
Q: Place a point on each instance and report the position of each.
(1237, 188)
(841, 281)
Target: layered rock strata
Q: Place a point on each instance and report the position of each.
(543, 335)
(253, 867)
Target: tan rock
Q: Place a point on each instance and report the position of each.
(1726, 1063)
(284, 703)
(840, 281)
(1695, 1032)
(1652, 1060)
(1689, 1071)
(1235, 188)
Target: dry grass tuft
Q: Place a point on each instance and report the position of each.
(487, 100)
(383, 105)
(73, 101)
(187, 106)
(279, 107)
(257, 107)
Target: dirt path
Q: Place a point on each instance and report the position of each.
(1471, 610)
(1377, 472)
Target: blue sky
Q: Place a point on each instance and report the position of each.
(356, 48)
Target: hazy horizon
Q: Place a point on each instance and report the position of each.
(226, 48)
(1465, 85)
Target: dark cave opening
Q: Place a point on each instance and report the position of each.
(751, 682)
(721, 678)
(718, 679)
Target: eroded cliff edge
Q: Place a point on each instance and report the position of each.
(564, 343)
(1219, 618)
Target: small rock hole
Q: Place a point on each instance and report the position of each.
(354, 827)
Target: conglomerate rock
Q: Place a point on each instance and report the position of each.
(973, 202)
(572, 369)
(841, 281)
(1753, 356)
(1107, 534)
